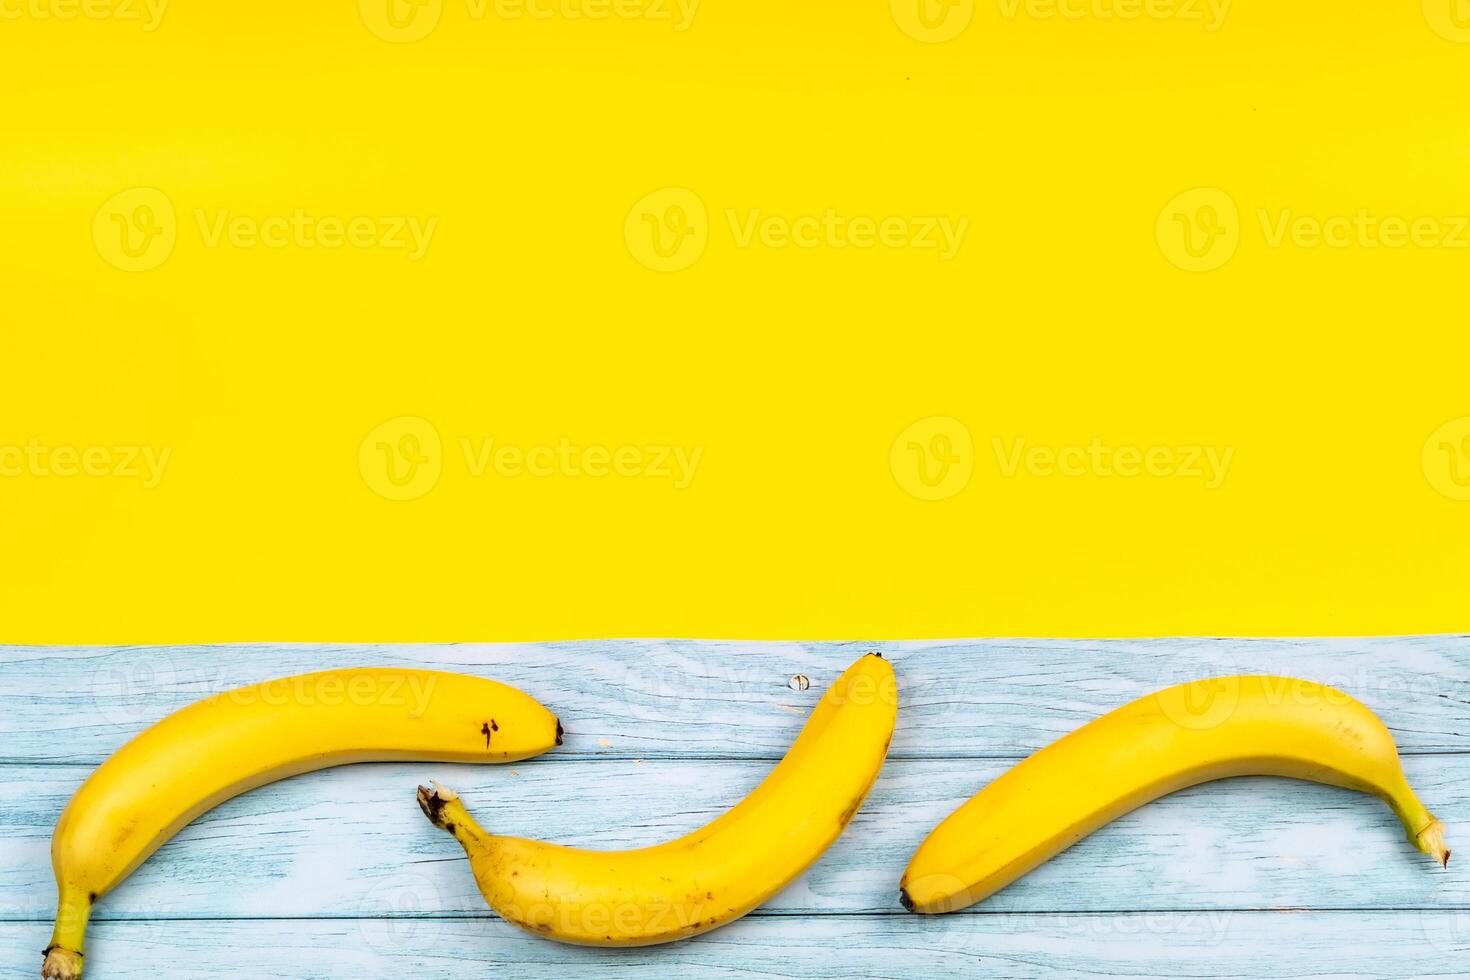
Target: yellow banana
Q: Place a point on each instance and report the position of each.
(715, 874)
(222, 746)
(1175, 738)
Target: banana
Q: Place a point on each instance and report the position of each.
(1175, 738)
(715, 874)
(222, 746)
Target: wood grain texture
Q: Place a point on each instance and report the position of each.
(685, 699)
(352, 841)
(1235, 945)
(337, 873)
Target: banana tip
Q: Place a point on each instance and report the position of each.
(559, 732)
(1431, 842)
(904, 900)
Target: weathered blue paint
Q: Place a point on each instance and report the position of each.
(337, 873)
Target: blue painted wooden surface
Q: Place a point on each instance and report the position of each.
(337, 874)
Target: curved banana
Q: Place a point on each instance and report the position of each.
(713, 875)
(1167, 741)
(222, 746)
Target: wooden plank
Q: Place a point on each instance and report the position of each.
(1236, 945)
(351, 841)
(683, 699)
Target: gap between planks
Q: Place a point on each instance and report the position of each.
(554, 757)
(764, 913)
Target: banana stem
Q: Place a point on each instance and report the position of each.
(444, 810)
(64, 953)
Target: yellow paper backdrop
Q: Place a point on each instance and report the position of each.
(457, 320)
